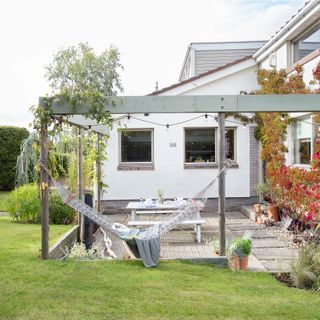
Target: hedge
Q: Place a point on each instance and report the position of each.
(10, 141)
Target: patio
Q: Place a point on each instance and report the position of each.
(269, 253)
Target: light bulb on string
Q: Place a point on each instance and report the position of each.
(244, 126)
(282, 117)
(206, 118)
(167, 126)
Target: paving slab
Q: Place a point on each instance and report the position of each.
(274, 253)
(255, 265)
(267, 243)
(280, 265)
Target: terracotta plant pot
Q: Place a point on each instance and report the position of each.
(239, 263)
(260, 219)
(273, 212)
(257, 208)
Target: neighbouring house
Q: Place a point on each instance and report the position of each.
(145, 155)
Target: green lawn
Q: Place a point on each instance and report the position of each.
(3, 196)
(34, 289)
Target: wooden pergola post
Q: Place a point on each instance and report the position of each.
(222, 183)
(98, 168)
(44, 189)
(80, 180)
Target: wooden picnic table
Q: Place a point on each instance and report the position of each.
(167, 207)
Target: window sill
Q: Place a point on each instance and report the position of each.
(205, 165)
(135, 166)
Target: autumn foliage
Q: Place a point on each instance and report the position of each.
(295, 190)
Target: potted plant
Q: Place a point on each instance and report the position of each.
(160, 196)
(266, 192)
(239, 252)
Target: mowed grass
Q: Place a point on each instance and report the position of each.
(3, 196)
(31, 288)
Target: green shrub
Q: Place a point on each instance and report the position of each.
(305, 270)
(59, 212)
(10, 141)
(240, 247)
(23, 205)
(62, 160)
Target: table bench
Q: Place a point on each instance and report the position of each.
(197, 223)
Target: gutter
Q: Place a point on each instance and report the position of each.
(259, 55)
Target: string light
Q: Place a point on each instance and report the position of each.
(206, 116)
(282, 117)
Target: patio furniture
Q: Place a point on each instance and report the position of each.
(156, 208)
(197, 225)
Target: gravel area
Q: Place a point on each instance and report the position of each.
(292, 239)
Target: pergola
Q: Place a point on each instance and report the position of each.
(220, 104)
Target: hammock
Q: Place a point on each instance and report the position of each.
(146, 240)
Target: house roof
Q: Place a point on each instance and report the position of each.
(220, 47)
(202, 75)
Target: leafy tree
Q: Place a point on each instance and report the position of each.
(79, 75)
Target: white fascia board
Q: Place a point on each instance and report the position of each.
(228, 45)
(302, 21)
(210, 78)
(186, 57)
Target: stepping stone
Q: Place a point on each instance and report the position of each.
(255, 265)
(274, 253)
(267, 243)
(277, 265)
(244, 227)
(235, 215)
(262, 234)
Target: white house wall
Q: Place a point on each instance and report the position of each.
(169, 174)
(282, 58)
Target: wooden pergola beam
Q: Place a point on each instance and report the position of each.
(200, 104)
(178, 104)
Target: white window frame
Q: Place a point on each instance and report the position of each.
(295, 43)
(313, 132)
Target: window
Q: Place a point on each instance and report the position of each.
(304, 138)
(230, 144)
(136, 146)
(306, 44)
(200, 145)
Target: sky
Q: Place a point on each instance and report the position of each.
(151, 35)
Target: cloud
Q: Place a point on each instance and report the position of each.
(152, 36)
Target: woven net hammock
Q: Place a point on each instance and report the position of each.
(146, 240)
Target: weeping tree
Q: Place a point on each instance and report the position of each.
(27, 161)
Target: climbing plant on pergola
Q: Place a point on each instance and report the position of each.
(220, 104)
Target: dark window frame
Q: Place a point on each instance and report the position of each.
(141, 163)
(188, 165)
